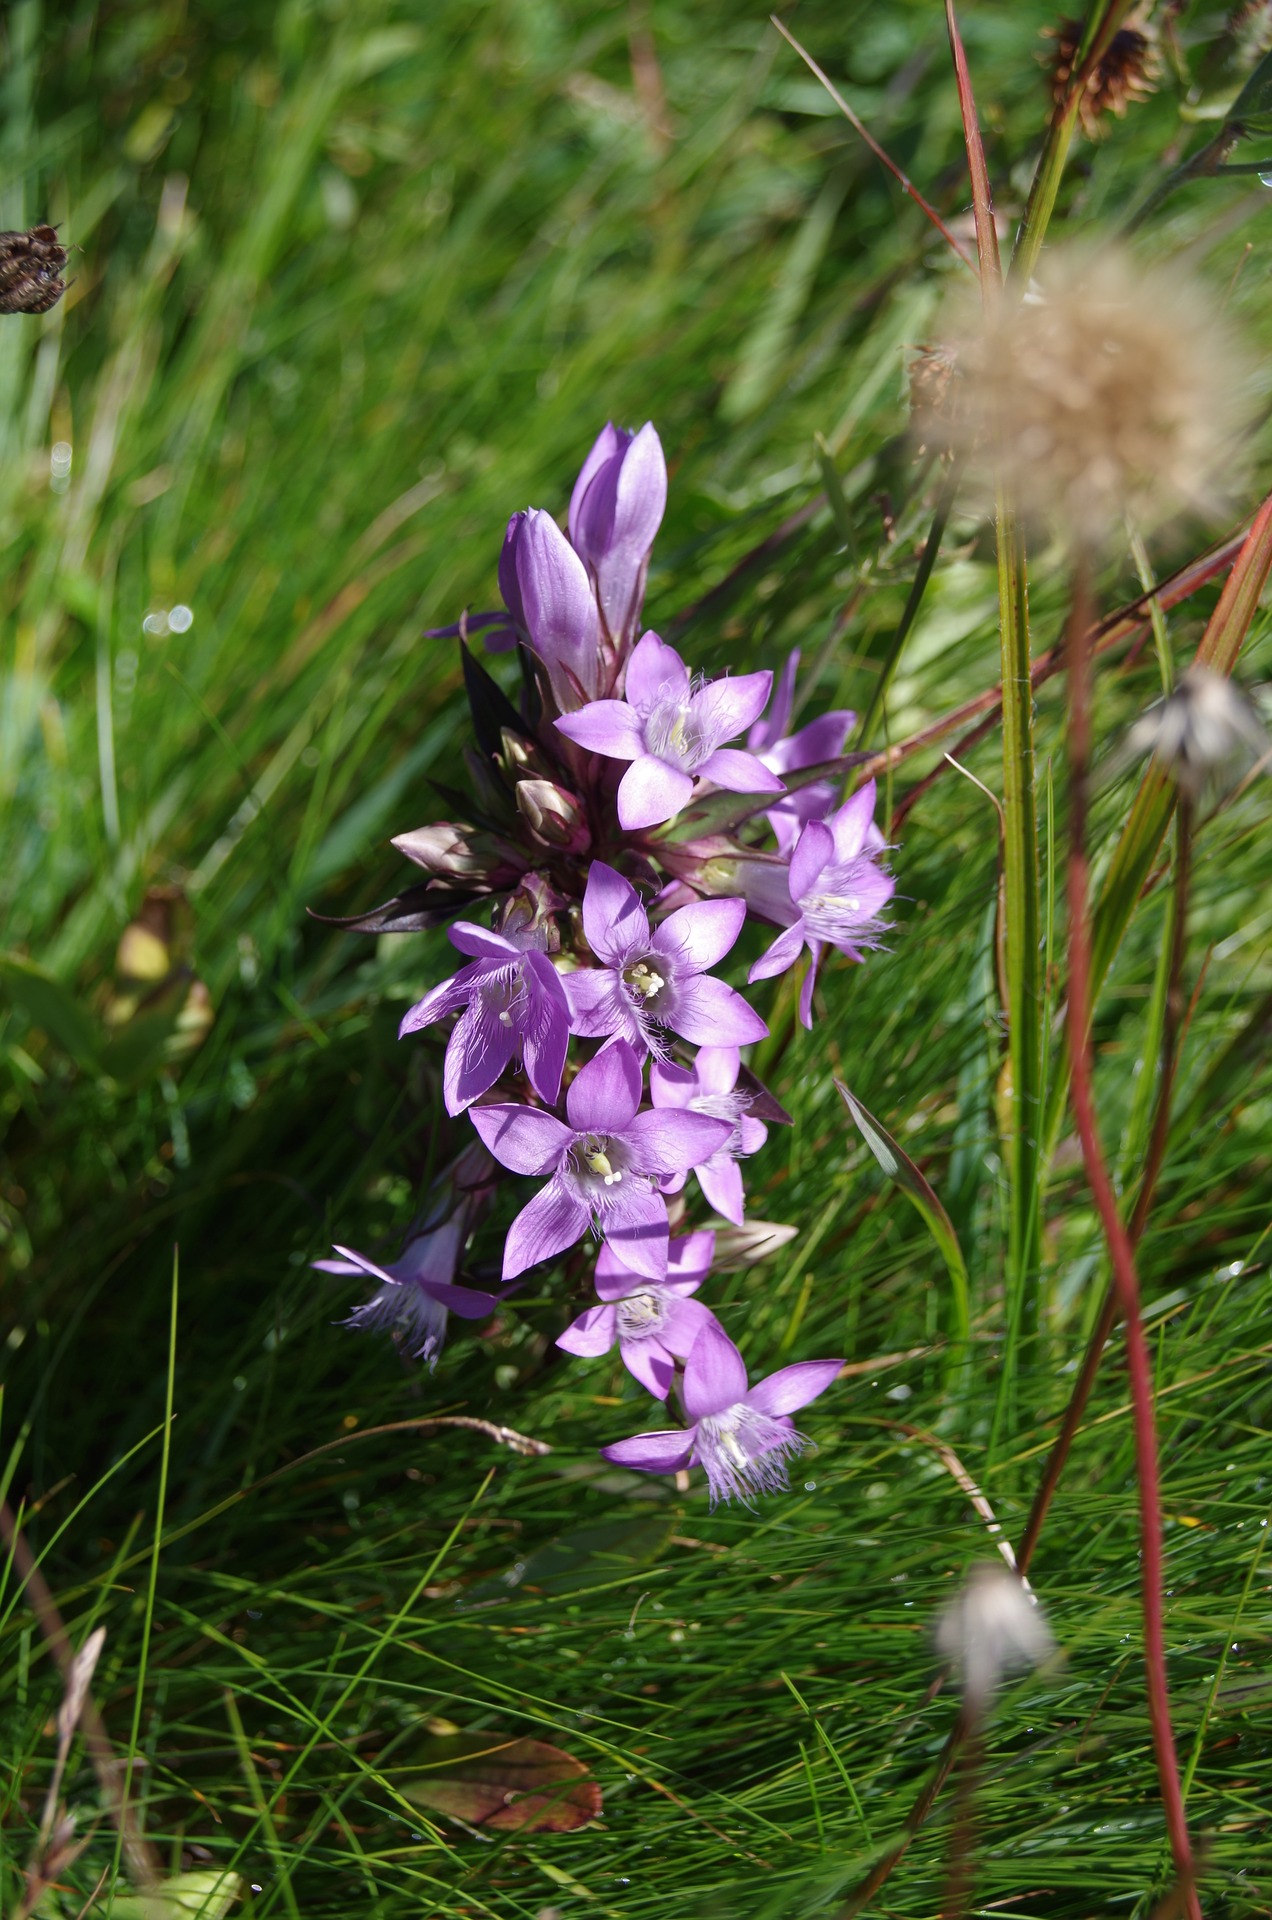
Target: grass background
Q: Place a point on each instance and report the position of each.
(354, 283)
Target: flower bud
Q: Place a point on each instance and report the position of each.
(554, 816)
(458, 852)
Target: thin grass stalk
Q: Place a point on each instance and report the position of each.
(1100, 1334)
(1117, 1238)
(1023, 915)
(914, 599)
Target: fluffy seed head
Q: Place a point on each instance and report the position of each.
(1111, 388)
(1205, 730)
(991, 1628)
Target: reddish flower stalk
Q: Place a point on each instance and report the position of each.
(1121, 1255)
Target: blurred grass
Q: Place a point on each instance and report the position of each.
(355, 283)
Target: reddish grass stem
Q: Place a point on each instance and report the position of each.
(1121, 1255)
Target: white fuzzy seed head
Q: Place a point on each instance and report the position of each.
(991, 1628)
(1110, 389)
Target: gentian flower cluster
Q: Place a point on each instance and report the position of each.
(627, 818)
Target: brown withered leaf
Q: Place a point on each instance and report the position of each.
(506, 1786)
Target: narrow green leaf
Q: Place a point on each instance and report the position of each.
(209, 1894)
(901, 1170)
(51, 1007)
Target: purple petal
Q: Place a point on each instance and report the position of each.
(793, 1387)
(683, 1322)
(820, 740)
(614, 520)
(649, 1362)
(853, 821)
(740, 772)
(727, 707)
(353, 1262)
(767, 732)
(652, 1452)
(610, 443)
(671, 1086)
(783, 953)
(606, 726)
(669, 1139)
(652, 667)
(715, 1374)
(337, 1266)
(605, 1093)
(651, 792)
(615, 923)
(547, 1033)
(524, 1139)
(711, 1014)
(814, 850)
(468, 1302)
(476, 1055)
(721, 1182)
(635, 1222)
(560, 613)
(447, 997)
(701, 934)
(598, 1008)
(592, 1334)
(481, 944)
(717, 1069)
(553, 1221)
(508, 583)
(809, 982)
(689, 1259)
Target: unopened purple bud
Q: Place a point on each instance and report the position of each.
(457, 852)
(554, 816)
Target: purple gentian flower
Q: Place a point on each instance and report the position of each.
(513, 1003)
(711, 1086)
(605, 1165)
(742, 1437)
(837, 890)
(673, 732)
(416, 1293)
(615, 512)
(550, 598)
(782, 753)
(652, 979)
(652, 1320)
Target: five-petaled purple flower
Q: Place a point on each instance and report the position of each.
(416, 1293)
(513, 1003)
(604, 1166)
(652, 1320)
(652, 979)
(711, 1086)
(742, 1437)
(836, 889)
(673, 732)
(782, 753)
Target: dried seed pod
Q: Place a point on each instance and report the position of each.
(1125, 72)
(31, 269)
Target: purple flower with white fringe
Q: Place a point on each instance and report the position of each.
(604, 1166)
(783, 753)
(711, 1086)
(835, 889)
(673, 732)
(653, 1321)
(513, 1003)
(656, 978)
(416, 1292)
(742, 1437)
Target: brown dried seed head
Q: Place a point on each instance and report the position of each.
(1110, 389)
(1126, 71)
(935, 396)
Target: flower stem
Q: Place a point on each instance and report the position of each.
(1171, 1028)
(1117, 1237)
